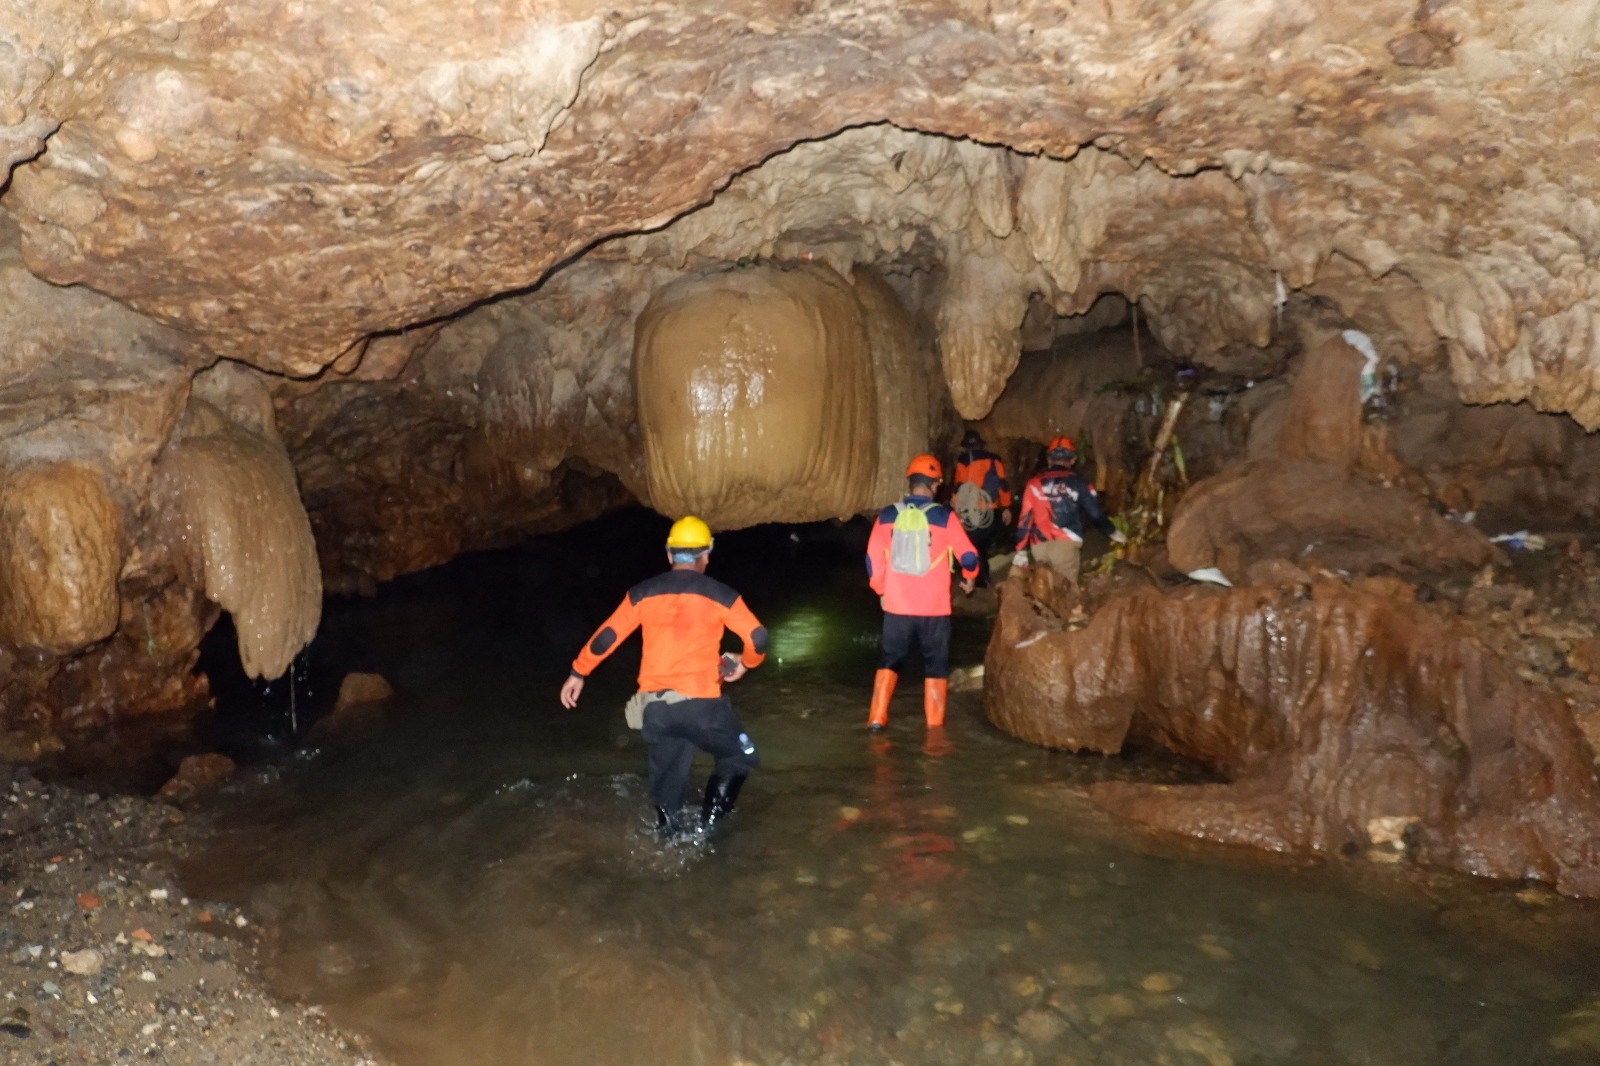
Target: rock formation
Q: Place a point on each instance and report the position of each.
(769, 395)
(1327, 709)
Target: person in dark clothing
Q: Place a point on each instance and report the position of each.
(1056, 504)
(982, 498)
(680, 705)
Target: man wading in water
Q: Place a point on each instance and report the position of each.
(680, 705)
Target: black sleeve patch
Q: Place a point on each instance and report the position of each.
(713, 590)
(602, 641)
(758, 640)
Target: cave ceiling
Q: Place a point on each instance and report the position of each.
(279, 183)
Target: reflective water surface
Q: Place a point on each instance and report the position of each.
(468, 880)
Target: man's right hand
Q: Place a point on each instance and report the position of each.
(570, 691)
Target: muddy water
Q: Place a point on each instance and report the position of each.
(469, 881)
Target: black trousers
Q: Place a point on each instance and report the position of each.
(675, 730)
(930, 633)
(981, 539)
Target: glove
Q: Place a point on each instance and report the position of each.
(1119, 537)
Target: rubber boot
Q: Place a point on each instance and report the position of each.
(882, 689)
(935, 693)
(721, 794)
(666, 825)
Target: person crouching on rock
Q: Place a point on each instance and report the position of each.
(680, 705)
(1055, 504)
(909, 558)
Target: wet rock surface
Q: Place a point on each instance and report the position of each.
(104, 960)
(1329, 708)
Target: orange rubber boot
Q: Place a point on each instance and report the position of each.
(935, 693)
(882, 689)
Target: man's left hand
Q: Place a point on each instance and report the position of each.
(1005, 515)
(570, 692)
(968, 584)
(731, 669)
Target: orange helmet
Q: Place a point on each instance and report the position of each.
(1061, 450)
(926, 466)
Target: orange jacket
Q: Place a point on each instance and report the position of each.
(920, 594)
(683, 614)
(985, 470)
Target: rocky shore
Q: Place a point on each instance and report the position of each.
(104, 960)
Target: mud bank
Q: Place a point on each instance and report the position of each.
(103, 959)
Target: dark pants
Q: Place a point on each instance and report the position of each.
(675, 730)
(930, 633)
(981, 539)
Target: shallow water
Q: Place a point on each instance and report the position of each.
(470, 879)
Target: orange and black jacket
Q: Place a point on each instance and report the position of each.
(683, 614)
(984, 469)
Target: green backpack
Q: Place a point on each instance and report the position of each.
(911, 546)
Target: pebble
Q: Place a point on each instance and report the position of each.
(1081, 974)
(1103, 1009)
(1041, 1026)
(85, 963)
(1359, 953)
(1161, 982)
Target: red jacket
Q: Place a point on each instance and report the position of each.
(920, 594)
(1055, 504)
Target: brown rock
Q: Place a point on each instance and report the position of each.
(63, 548)
(358, 689)
(1314, 512)
(1323, 423)
(1323, 713)
(196, 776)
(1584, 657)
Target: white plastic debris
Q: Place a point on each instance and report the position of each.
(1369, 370)
(1210, 575)
(1521, 540)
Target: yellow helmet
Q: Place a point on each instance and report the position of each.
(690, 533)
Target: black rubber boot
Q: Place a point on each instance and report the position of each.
(667, 827)
(721, 792)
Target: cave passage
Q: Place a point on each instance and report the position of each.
(468, 880)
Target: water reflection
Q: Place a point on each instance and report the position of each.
(476, 884)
